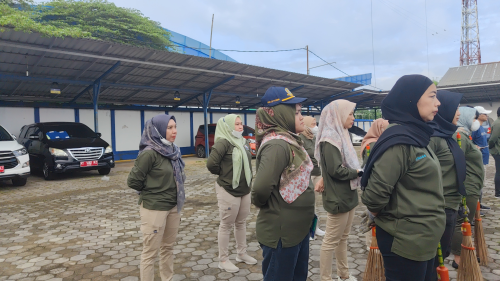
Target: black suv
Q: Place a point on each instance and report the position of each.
(57, 147)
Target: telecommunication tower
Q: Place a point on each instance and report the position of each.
(470, 50)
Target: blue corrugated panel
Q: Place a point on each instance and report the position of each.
(365, 79)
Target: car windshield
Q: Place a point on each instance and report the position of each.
(68, 131)
(4, 135)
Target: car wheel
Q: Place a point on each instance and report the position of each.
(47, 174)
(200, 151)
(104, 171)
(19, 181)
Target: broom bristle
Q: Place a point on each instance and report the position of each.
(479, 240)
(374, 270)
(469, 269)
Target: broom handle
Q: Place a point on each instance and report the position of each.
(440, 255)
(464, 203)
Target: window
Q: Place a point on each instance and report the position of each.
(4, 135)
(29, 132)
(69, 130)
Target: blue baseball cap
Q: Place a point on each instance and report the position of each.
(279, 95)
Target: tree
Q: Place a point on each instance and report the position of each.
(96, 19)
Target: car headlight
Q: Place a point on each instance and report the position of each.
(57, 152)
(251, 140)
(20, 152)
(109, 149)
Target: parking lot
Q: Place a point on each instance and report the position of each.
(82, 227)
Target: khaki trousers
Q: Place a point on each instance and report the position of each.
(159, 231)
(233, 213)
(338, 227)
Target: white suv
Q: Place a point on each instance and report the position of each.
(14, 159)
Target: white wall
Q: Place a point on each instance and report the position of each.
(183, 128)
(150, 114)
(14, 118)
(127, 129)
(57, 115)
(217, 116)
(104, 117)
(251, 120)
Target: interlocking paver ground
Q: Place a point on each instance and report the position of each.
(80, 227)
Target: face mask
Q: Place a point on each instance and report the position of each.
(475, 126)
(162, 139)
(315, 130)
(237, 134)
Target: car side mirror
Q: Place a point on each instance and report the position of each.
(34, 137)
(98, 135)
(14, 137)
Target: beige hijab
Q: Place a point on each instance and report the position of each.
(374, 133)
(308, 120)
(331, 130)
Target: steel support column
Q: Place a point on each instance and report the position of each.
(95, 99)
(206, 101)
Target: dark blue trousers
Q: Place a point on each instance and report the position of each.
(286, 264)
(398, 268)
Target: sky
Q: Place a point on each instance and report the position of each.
(339, 31)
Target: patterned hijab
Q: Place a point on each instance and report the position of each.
(224, 130)
(308, 120)
(154, 130)
(331, 130)
(278, 122)
(375, 131)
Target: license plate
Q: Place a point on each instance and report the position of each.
(89, 163)
(2, 169)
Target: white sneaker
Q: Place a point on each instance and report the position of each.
(228, 266)
(246, 259)
(319, 232)
(351, 278)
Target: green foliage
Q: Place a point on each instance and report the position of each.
(367, 114)
(96, 19)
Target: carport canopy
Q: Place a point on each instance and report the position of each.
(127, 75)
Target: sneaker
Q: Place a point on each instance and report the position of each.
(454, 265)
(228, 266)
(481, 213)
(246, 259)
(351, 278)
(484, 207)
(311, 239)
(319, 232)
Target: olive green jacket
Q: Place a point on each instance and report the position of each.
(474, 177)
(440, 147)
(277, 219)
(309, 146)
(337, 196)
(153, 176)
(494, 141)
(405, 189)
(220, 162)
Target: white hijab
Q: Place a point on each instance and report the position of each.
(331, 130)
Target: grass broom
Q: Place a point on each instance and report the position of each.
(469, 269)
(442, 271)
(374, 270)
(479, 242)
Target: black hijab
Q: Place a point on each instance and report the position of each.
(400, 107)
(444, 128)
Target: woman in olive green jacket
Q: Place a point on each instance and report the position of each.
(340, 169)
(402, 182)
(282, 189)
(158, 175)
(474, 175)
(308, 137)
(230, 160)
